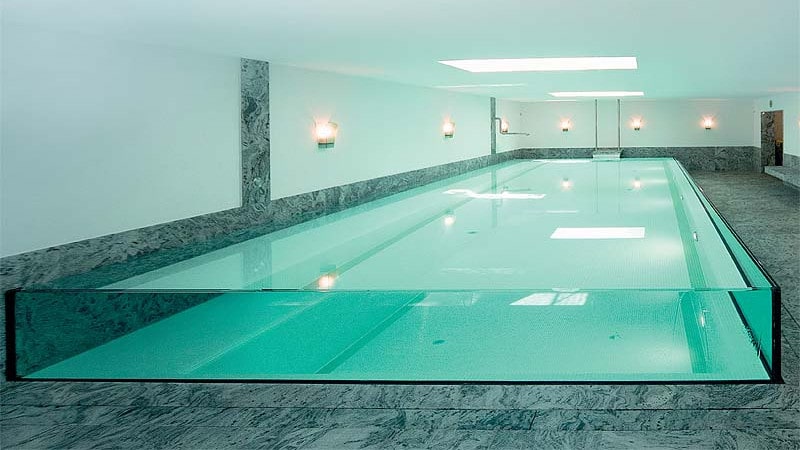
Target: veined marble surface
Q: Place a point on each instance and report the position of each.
(693, 158)
(255, 134)
(792, 161)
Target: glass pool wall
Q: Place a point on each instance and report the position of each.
(531, 271)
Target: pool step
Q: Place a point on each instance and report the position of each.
(606, 154)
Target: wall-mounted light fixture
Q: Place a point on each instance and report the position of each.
(503, 126)
(565, 125)
(566, 184)
(636, 123)
(637, 184)
(449, 129)
(708, 122)
(325, 133)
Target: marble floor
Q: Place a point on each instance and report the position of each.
(764, 211)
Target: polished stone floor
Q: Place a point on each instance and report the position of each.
(764, 211)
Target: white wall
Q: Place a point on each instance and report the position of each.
(513, 113)
(100, 137)
(789, 103)
(384, 128)
(665, 123)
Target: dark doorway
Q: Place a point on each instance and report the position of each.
(772, 138)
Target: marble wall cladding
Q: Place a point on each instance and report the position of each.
(53, 326)
(550, 153)
(791, 161)
(768, 138)
(693, 158)
(255, 134)
(741, 158)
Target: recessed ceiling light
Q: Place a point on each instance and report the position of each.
(470, 86)
(596, 94)
(543, 64)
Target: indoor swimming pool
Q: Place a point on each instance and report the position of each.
(526, 271)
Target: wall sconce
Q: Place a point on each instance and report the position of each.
(637, 184)
(566, 184)
(637, 124)
(503, 126)
(325, 133)
(449, 129)
(565, 125)
(708, 123)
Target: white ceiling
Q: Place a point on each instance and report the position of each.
(685, 48)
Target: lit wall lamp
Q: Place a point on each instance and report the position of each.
(637, 123)
(325, 133)
(504, 126)
(565, 125)
(637, 184)
(566, 184)
(449, 129)
(708, 123)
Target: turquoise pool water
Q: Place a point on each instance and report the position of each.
(558, 270)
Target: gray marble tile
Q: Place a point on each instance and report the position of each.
(792, 161)
(666, 420)
(641, 440)
(346, 438)
(58, 415)
(243, 437)
(14, 436)
(101, 437)
(454, 419)
(254, 134)
(556, 153)
(499, 397)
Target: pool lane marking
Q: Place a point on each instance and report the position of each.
(697, 278)
(405, 233)
(359, 343)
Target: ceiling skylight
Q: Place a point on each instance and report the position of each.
(595, 94)
(543, 64)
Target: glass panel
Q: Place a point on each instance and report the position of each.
(493, 336)
(596, 271)
(761, 320)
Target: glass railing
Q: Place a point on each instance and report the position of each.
(517, 336)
